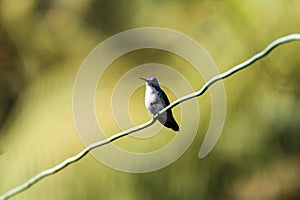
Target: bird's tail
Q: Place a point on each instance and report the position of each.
(168, 120)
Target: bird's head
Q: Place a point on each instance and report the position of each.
(151, 81)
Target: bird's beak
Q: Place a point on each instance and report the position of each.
(144, 79)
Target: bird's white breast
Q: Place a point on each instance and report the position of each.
(152, 101)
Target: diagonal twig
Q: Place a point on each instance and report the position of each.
(62, 165)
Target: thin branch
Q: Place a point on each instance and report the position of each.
(259, 55)
(57, 168)
(73, 159)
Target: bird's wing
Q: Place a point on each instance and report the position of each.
(164, 98)
(168, 119)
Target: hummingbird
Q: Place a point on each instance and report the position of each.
(155, 100)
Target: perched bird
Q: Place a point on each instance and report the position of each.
(155, 100)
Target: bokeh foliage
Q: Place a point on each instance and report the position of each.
(43, 43)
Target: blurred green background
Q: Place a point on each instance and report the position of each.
(43, 43)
